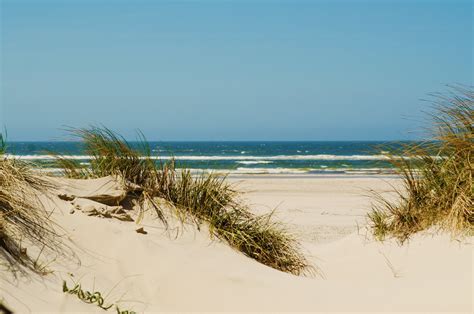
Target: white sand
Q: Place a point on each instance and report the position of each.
(165, 272)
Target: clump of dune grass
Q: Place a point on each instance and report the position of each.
(112, 155)
(24, 222)
(437, 175)
(209, 198)
(206, 198)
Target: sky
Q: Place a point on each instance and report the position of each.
(230, 70)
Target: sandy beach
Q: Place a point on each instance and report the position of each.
(181, 269)
(257, 156)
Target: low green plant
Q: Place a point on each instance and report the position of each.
(437, 175)
(119, 311)
(94, 297)
(87, 296)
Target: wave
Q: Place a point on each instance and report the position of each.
(243, 170)
(255, 162)
(273, 171)
(237, 157)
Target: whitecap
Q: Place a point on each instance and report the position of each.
(255, 162)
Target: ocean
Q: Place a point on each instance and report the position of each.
(323, 157)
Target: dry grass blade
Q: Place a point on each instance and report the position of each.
(437, 175)
(23, 219)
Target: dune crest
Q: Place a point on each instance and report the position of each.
(180, 268)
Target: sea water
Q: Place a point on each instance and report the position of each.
(323, 157)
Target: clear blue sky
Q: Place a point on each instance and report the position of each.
(229, 70)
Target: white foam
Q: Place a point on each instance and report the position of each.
(237, 157)
(243, 170)
(234, 157)
(255, 162)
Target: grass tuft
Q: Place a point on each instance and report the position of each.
(437, 175)
(24, 222)
(112, 155)
(209, 198)
(206, 198)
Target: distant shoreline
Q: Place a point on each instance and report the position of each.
(356, 158)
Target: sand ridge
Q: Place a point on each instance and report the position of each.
(178, 269)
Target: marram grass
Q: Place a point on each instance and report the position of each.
(25, 225)
(112, 155)
(209, 198)
(206, 198)
(437, 176)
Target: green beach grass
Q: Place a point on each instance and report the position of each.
(437, 175)
(24, 222)
(205, 198)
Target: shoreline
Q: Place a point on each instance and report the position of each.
(230, 173)
(313, 176)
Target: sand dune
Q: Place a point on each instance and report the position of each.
(182, 269)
